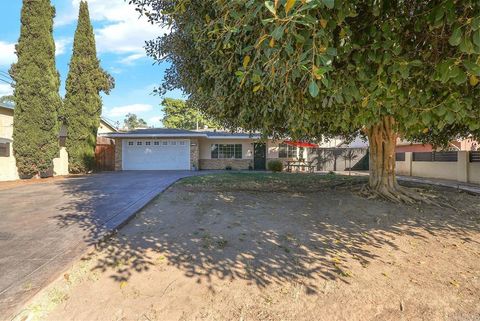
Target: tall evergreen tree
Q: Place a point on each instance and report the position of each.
(83, 104)
(37, 82)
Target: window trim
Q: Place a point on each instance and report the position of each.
(217, 153)
(289, 150)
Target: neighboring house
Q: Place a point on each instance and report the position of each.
(336, 148)
(8, 168)
(177, 149)
(455, 145)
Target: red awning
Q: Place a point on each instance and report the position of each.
(300, 144)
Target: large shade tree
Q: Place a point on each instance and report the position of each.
(37, 101)
(309, 68)
(82, 107)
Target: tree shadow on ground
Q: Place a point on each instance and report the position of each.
(264, 237)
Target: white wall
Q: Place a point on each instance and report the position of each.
(8, 167)
(6, 123)
(272, 149)
(104, 129)
(442, 170)
(461, 171)
(474, 173)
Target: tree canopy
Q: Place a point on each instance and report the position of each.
(37, 101)
(132, 121)
(328, 67)
(9, 99)
(83, 105)
(181, 114)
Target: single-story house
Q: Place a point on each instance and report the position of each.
(178, 149)
(8, 167)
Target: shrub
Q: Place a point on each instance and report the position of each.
(228, 168)
(275, 166)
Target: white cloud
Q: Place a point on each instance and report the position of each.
(7, 54)
(155, 121)
(121, 111)
(5, 90)
(123, 32)
(61, 45)
(129, 60)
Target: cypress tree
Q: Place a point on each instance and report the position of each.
(37, 101)
(83, 105)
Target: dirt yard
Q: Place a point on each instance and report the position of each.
(278, 247)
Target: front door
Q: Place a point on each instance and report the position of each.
(259, 156)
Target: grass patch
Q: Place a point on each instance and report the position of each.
(245, 181)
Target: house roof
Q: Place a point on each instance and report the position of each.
(6, 106)
(173, 132)
(224, 135)
(108, 124)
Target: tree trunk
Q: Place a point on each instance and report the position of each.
(383, 182)
(382, 140)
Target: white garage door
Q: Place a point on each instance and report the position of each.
(156, 154)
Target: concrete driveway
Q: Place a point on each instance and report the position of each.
(45, 227)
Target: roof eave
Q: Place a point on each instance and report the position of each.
(233, 137)
(120, 135)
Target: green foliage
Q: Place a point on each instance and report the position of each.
(325, 67)
(181, 114)
(37, 101)
(9, 99)
(132, 121)
(83, 104)
(275, 166)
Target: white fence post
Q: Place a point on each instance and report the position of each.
(462, 166)
(408, 161)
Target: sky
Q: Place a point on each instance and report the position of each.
(120, 35)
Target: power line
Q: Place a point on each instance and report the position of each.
(6, 78)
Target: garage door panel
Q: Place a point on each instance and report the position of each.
(156, 155)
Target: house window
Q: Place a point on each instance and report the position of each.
(130, 143)
(164, 143)
(156, 143)
(139, 143)
(173, 143)
(226, 151)
(148, 143)
(4, 149)
(182, 143)
(287, 151)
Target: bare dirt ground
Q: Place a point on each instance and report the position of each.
(242, 248)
